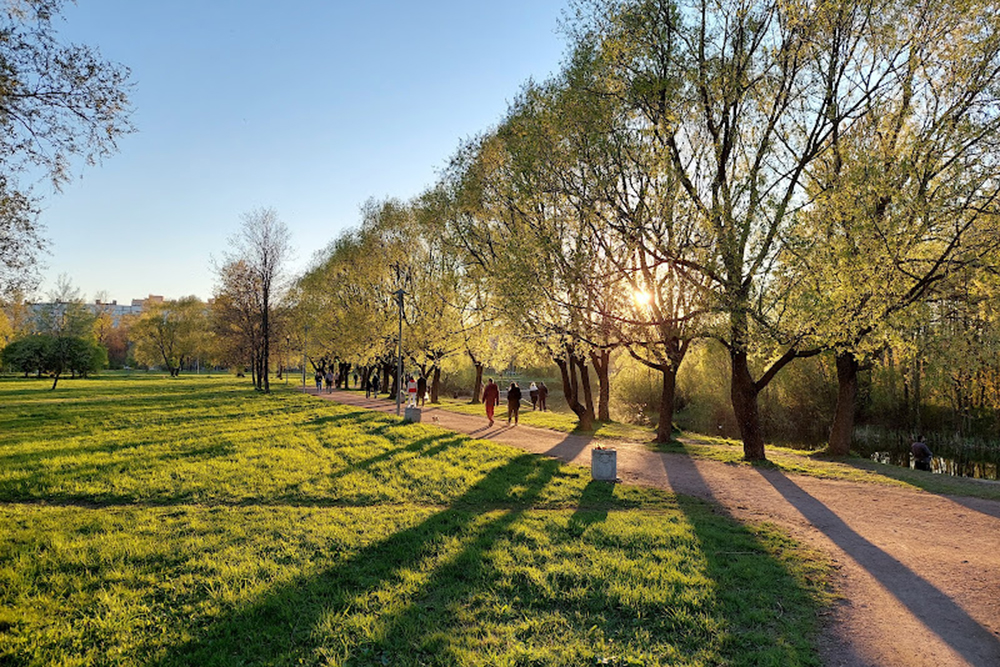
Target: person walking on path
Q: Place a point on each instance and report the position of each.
(921, 454)
(543, 393)
(491, 396)
(319, 381)
(513, 402)
(533, 395)
(421, 390)
(329, 381)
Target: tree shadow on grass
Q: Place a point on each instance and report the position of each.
(280, 629)
(748, 577)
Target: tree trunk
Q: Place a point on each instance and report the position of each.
(847, 392)
(743, 394)
(602, 367)
(436, 386)
(664, 427)
(571, 387)
(588, 396)
(477, 391)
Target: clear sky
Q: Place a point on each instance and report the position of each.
(305, 106)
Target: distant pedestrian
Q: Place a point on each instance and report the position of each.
(533, 394)
(411, 392)
(375, 385)
(329, 381)
(513, 402)
(491, 396)
(421, 389)
(319, 381)
(921, 454)
(355, 380)
(368, 385)
(543, 394)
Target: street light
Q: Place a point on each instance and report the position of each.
(305, 343)
(399, 366)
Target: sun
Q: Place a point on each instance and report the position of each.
(641, 297)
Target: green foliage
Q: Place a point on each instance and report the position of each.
(192, 522)
(55, 355)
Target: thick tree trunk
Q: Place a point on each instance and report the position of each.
(436, 386)
(571, 389)
(847, 392)
(477, 388)
(743, 394)
(477, 391)
(588, 396)
(664, 427)
(602, 367)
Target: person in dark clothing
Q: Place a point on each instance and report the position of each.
(921, 454)
(421, 390)
(513, 402)
(491, 396)
(533, 395)
(543, 393)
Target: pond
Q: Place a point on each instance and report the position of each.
(953, 455)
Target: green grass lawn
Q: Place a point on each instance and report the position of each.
(155, 521)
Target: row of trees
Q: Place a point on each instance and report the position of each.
(787, 180)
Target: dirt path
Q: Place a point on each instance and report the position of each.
(919, 573)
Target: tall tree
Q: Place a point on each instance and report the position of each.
(263, 245)
(58, 102)
(743, 98)
(907, 196)
(171, 332)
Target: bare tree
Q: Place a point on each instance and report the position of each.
(263, 246)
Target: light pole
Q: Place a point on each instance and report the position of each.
(399, 366)
(305, 343)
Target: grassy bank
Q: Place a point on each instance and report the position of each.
(192, 521)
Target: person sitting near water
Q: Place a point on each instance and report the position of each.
(921, 454)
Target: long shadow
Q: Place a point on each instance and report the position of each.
(934, 609)
(278, 629)
(737, 584)
(569, 447)
(597, 498)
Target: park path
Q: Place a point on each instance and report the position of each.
(919, 573)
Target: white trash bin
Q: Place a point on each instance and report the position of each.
(604, 464)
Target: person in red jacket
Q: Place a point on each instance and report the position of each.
(491, 396)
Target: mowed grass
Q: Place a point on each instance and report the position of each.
(154, 521)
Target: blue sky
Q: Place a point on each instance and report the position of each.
(308, 107)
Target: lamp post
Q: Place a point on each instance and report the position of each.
(399, 366)
(305, 343)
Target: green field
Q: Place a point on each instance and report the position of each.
(149, 521)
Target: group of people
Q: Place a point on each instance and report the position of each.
(329, 377)
(416, 391)
(538, 393)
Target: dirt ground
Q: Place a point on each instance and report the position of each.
(918, 573)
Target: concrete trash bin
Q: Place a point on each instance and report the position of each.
(604, 465)
(412, 415)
